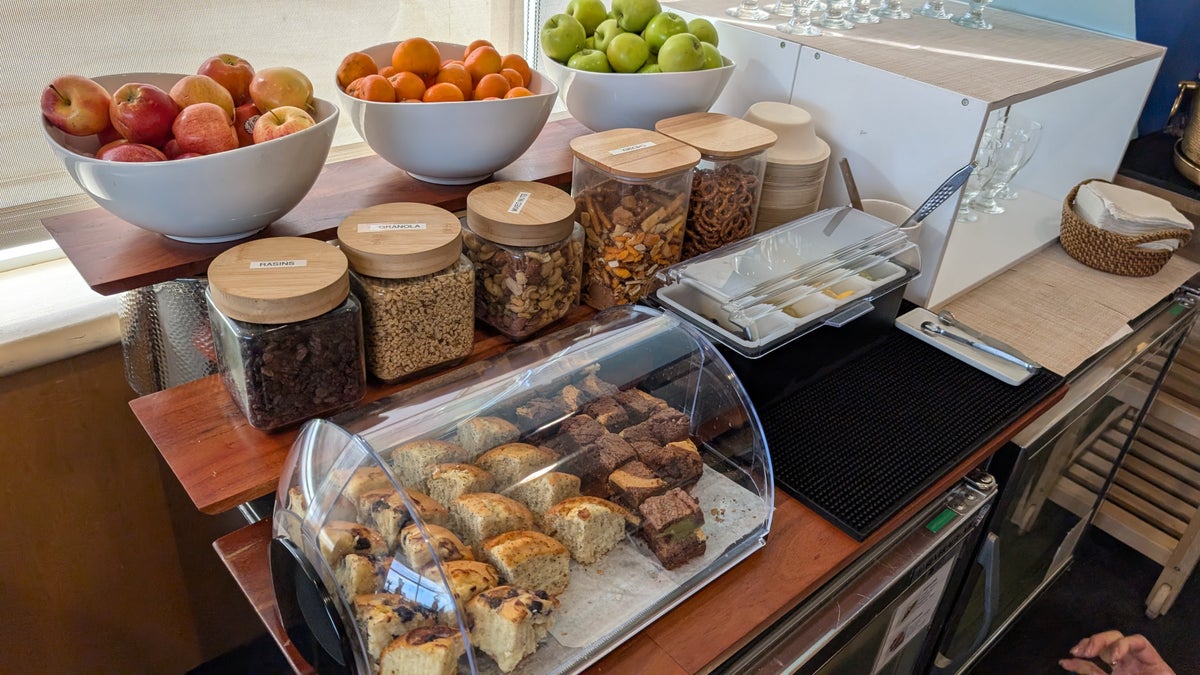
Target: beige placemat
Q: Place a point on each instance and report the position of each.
(1059, 311)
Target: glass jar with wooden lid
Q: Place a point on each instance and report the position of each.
(416, 286)
(727, 182)
(287, 331)
(631, 189)
(528, 255)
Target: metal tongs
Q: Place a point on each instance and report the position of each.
(979, 341)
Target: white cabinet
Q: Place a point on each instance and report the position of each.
(906, 102)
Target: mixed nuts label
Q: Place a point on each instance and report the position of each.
(519, 202)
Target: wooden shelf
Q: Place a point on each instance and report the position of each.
(114, 256)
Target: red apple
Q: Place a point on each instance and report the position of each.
(76, 104)
(280, 86)
(244, 117)
(204, 128)
(109, 134)
(201, 89)
(171, 149)
(143, 113)
(126, 151)
(232, 72)
(281, 121)
(187, 155)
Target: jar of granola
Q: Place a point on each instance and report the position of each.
(286, 330)
(631, 189)
(528, 255)
(416, 287)
(728, 180)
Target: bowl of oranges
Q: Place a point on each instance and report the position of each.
(446, 113)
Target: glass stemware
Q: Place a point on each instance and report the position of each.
(801, 21)
(891, 9)
(860, 12)
(1008, 157)
(985, 168)
(1033, 129)
(934, 9)
(749, 10)
(835, 16)
(973, 18)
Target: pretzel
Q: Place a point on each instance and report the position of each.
(721, 209)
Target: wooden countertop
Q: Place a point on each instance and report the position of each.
(803, 551)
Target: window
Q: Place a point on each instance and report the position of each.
(128, 36)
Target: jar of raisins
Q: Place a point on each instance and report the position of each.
(287, 331)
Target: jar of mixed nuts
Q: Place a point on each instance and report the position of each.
(416, 287)
(528, 255)
(728, 180)
(631, 188)
(287, 332)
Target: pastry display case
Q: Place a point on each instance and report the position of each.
(526, 513)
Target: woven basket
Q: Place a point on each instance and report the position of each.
(1112, 252)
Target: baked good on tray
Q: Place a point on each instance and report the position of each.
(530, 559)
(671, 525)
(662, 426)
(638, 404)
(360, 574)
(678, 463)
(416, 550)
(608, 412)
(383, 617)
(340, 537)
(633, 482)
(511, 462)
(479, 515)
(539, 493)
(412, 461)
(447, 481)
(423, 651)
(385, 511)
(508, 623)
(466, 577)
(588, 526)
(477, 435)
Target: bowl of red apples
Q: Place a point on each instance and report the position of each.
(208, 157)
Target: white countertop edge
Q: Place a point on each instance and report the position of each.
(48, 313)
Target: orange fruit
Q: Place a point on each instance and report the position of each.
(483, 61)
(490, 98)
(442, 92)
(388, 71)
(449, 61)
(417, 55)
(517, 92)
(475, 45)
(492, 84)
(458, 76)
(354, 66)
(407, 85)
(518, 63)
(514, 78)
(372, 88)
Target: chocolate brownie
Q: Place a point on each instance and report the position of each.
(609, 452)
(576, 433)
(663, 426)
(671, 525)
(608, 412)
(633, 483)
(638, 404)
(595, 387)
(536, 412)
(675, 553)
(679, 464)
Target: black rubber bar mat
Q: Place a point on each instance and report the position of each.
(857, 445)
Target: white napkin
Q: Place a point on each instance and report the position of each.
(1129, 212)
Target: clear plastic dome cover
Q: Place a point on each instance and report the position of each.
(529, 512)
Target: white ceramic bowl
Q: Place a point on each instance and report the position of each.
(215, 198)
(603, 101)
(451, 143)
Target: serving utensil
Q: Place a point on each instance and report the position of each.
(943, 192)
(934, 329)
(947, 318)
(851, 186)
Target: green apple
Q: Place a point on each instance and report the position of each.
(605, 32)
(712, 57)
(562, 35)
(633, 15)
(705, 30)
(661, 27)
(650, 68)
(627, 52)
(589, 59)
(590, 42)
(589, 12)
(680, 53)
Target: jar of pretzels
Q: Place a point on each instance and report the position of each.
(631, 189)
(528, 255)
(727, 182)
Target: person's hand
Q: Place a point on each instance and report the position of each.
(1132, 655)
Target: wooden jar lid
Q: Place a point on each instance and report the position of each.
(716, 135)
(635, 153)
(279, 280)
(400, 240)
(520, 213)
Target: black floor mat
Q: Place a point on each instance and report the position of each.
(861, 442)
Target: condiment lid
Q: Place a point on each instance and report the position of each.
(279, 280)
(635, 153)
(717, 135)
(400, 240)
(798, 142)
(520, 213)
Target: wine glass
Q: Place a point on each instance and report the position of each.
(934, 9)
(1008, 156)
(985, 168)
(749, 10)
(1033, 129)
(796, 26)
(891, 9)
(835, 16)
(860, 12)
(973, 18)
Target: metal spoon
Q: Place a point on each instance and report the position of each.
(946, 318)
(931, 327)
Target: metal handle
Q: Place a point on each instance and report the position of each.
(930, 327)
(943, 192)
(989, 560)
(947, 318)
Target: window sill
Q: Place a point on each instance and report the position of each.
(48, 313)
